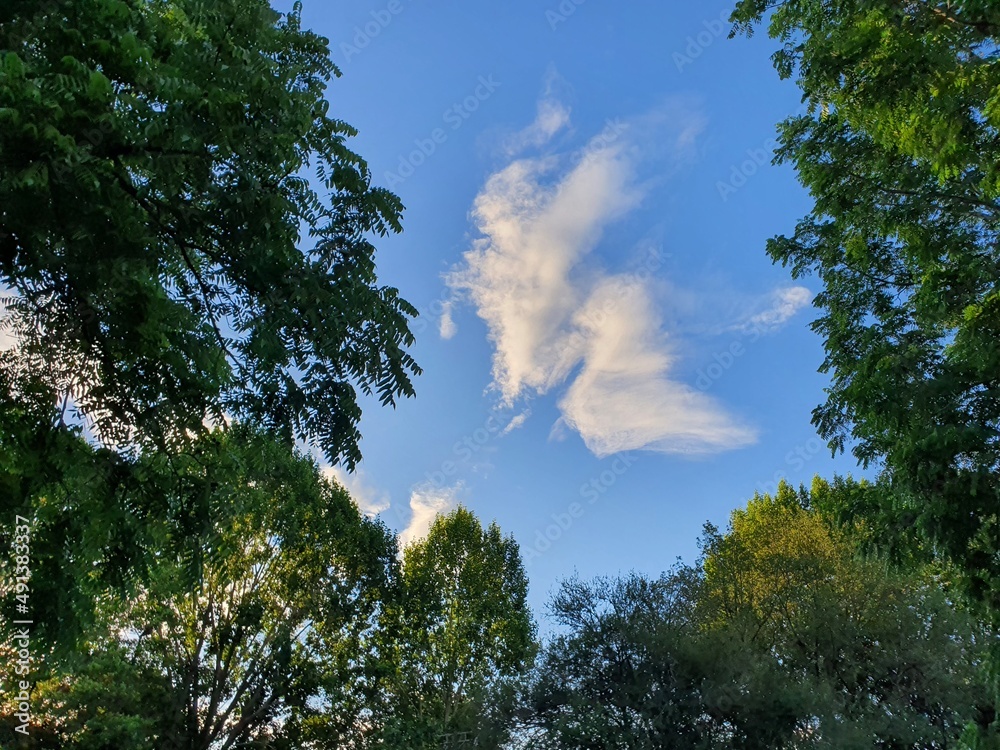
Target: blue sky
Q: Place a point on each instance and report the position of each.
(610, 357)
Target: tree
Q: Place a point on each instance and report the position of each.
(457, 634)
(252, 623)
(167, 251)
(634, 666)
(782, 637)
(900, 150)
(885, 656)
(613, 677)
(107, 703)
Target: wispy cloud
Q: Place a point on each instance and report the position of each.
(781, 305)
(426, 502)
(556, 320)
(623, 398)
(552, 117)
(446, 325)
(516, 422)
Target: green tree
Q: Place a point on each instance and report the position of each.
(900, 150)
(184, 227)
(883, 655)
(784, 636)
(108, 702)
(458, 634)
(633, 666)
(252, 623)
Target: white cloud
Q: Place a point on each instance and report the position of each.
(516, 423)
(446, 326)
(370, 500)
(548, 314)
(426, 502)
(783, 304)
(557, 433)
(623, 399)
(518, 274)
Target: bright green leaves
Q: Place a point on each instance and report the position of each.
(99, 87)
(255, 586)
(906, 74)
(460, 631)
(12, 66)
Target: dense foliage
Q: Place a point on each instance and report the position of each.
(274, 612)
(782, 637)
(183, 226)
(460, 633)
(900, 149)
(263, 582)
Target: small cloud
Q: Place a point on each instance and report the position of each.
(516, 423)
(558, 432)
(552, 117)
(446, 326)
(783, 304)
(370, 501)
(427, 501)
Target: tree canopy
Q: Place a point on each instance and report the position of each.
(783, 636)
(900, 150)
(459, 632)
(263, 585)
(183, 227)
(272, 612)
